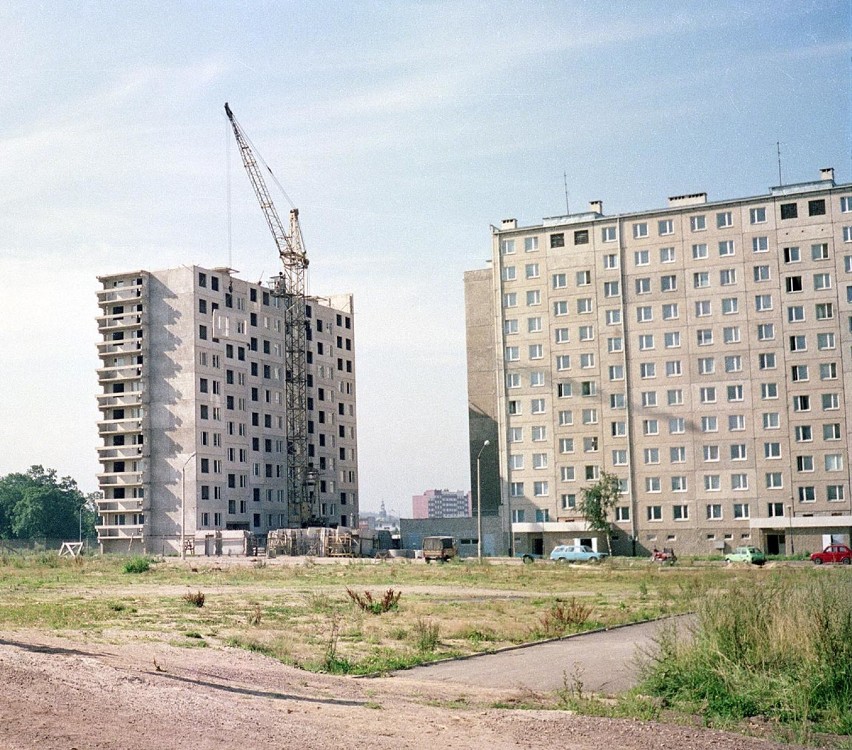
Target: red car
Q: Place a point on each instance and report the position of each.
(834, 553)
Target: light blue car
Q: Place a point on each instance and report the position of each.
(576, 553)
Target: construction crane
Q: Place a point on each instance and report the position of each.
(289, 286)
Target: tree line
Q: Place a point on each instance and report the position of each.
(37, 504)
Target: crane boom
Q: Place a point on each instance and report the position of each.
(289, 286)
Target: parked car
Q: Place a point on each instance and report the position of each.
(440, 548)
(576, 553)
(746, 555)
(834, 553)
(529, 557)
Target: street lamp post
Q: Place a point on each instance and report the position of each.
(479, 502)
(183, 505)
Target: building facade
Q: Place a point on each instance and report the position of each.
(701, 352)
(193, 427)
(441, 504)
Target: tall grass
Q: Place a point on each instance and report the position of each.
(780, 649)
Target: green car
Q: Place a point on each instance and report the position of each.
(746, 555)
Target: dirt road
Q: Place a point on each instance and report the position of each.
(62, 693)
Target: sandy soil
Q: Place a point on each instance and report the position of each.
(67, 693)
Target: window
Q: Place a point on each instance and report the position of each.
(699, 251)
(761, 273)
(566, 418)
(667, 255)
(712, 483)
(822, 281)
(665, 226)
(846, 204)
(760, 244)
(537, 406)
(622, 513)
(516, 489)
(768, 391)
(706, 366)
(590, 445)
(724, 219)
(830, 401)
(610, 261)
(766, 361)
(711, 453)
(671, 339)
(704, 336)
(763, 302)
(703, 308)
(774, 481)
(806, 494)
(513, 353)
(828, 371)
(566, 445)
(564, 390)
(534, 325)
(792, 255)
(617, 401)
(707, 394)
(560, 280)
(613, 317)
(616, 372)
(561, 336)
(510, 299)
(709, 424)
(516, 462)
(736, 422)
(539, 433)
(771, 420)
(714, 512)
(581, 237)
(531, 270)
(533, 297)
(584, 305)
(563, 362)
(834, 493)
(804, 463)
(536, 379)
(650, 427)
(640, 229)
(798, 343)
(816, 207)
(847, 234)
(834, 462)
(618, 429)
(801, 403)
(653, 484)
(673, 368)
(741, 510)
(825, 341)
(730, 305)
(789, 210)
(655, 512)
(643, 286)
(726, 247)
(646, 341)
(728, 276)
(509, 273)
(507, 247)
(611, 288)
(566, 474)
(795, 313)
(735, 392)
(584, 278)
(733, 363)
(510, 326)
(647, 370)
(677, 425)
(757, 215)
(587, 361)
(649, 398)
(644, 314)
(819, 251)
(516, 434)
(668, 283)
(651, 456)
(590, 416)
(560, 308)
(766, 332)
(674, 397)
(799, 373)
(824, 311)
(539, 460)
(731, 334)
(608, 234)
(698, 223)
(679, 484)
(557, 240)
(530, 244)
(677, 454)
(680, 512)
(670, 311)
(701, 279)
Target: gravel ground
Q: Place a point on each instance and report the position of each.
(67, 693)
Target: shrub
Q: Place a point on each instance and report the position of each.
(196, 599)
(563, 617)
(137, 565)
(390, 601)
(426, 635)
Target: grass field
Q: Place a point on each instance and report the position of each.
(783, 626)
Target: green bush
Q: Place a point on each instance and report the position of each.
(780, 649)
(137, 565)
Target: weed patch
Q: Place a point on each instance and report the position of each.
(366, 602)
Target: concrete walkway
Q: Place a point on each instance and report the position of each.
(602, 662)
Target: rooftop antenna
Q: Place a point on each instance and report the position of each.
(565, 180)
(778, 150)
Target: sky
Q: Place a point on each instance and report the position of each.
(402, 131)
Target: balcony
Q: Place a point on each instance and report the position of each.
(119, 372)
(125, 346)
(110, 400)
(119, 426)
(120, 479)
(119, 295)
(120, 505)
(127, 452)
(121, 321)
(126, 531)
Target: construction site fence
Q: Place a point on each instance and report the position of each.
(314, 542)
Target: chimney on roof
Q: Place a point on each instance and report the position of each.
(827, 174)
(596, 206)
(509, 224)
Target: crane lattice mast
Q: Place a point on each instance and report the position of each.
(289, 286)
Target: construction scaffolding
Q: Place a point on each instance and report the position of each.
(312, 542)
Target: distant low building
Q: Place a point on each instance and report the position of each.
(441, 504)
